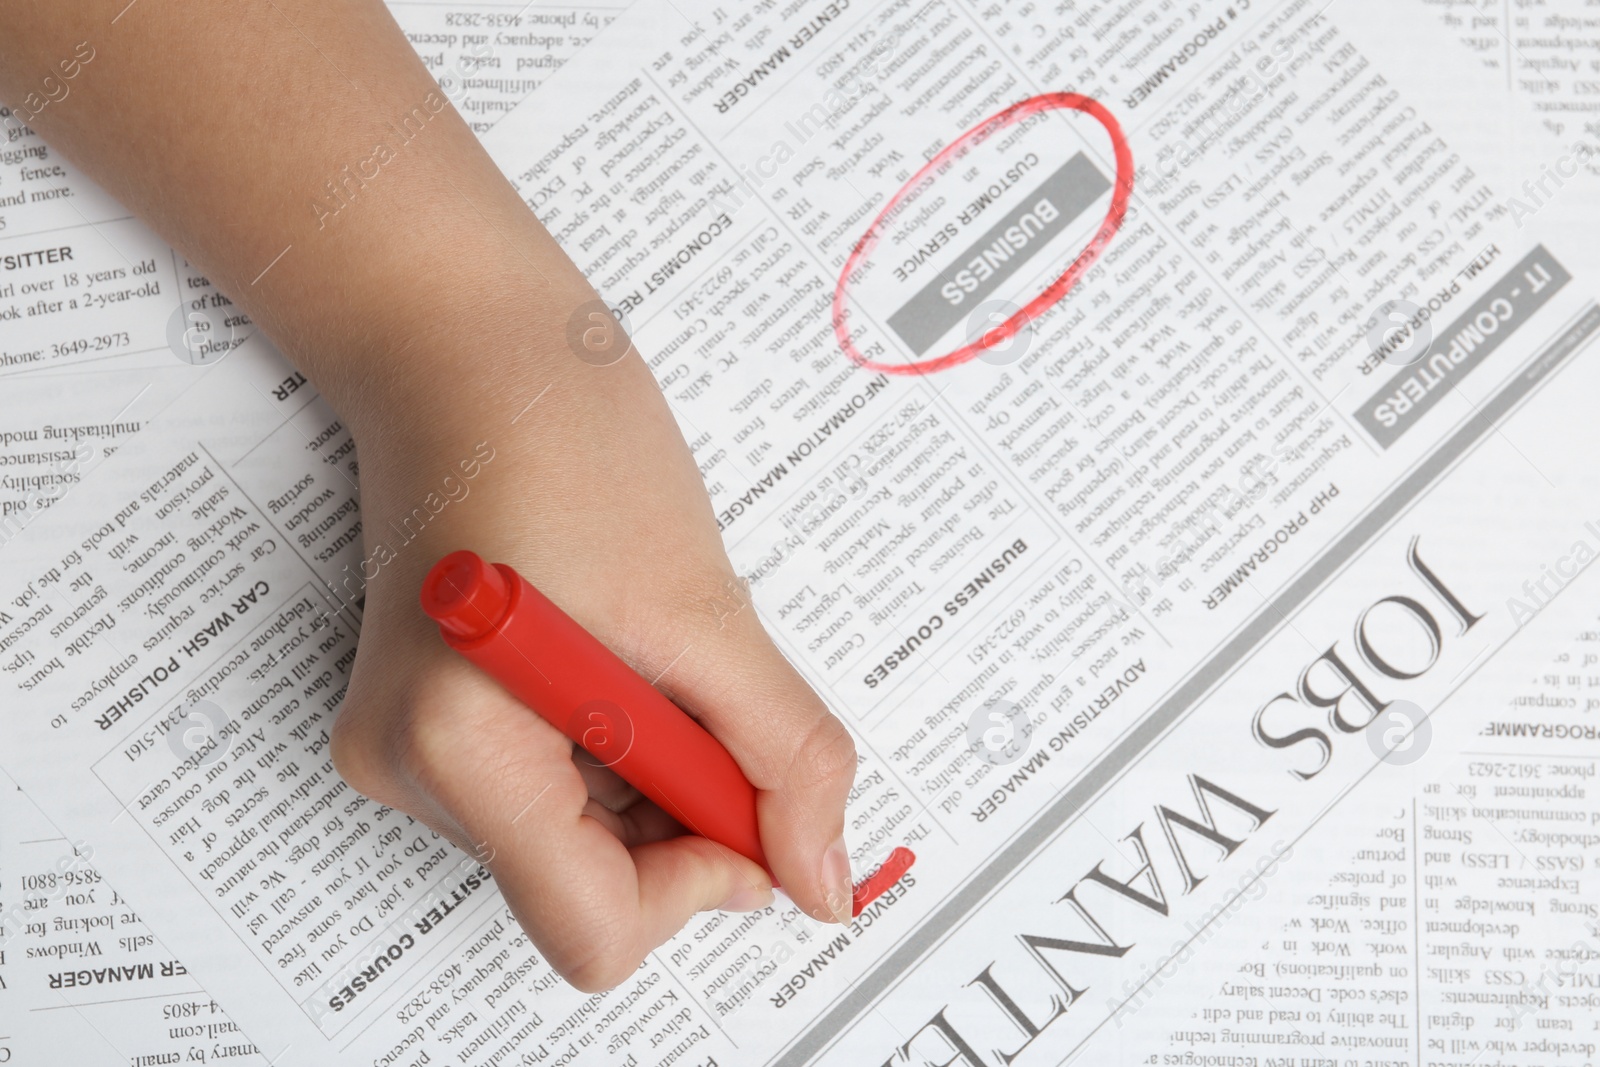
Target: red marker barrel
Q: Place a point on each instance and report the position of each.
(495, 618)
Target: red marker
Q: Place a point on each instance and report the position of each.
(495, 618)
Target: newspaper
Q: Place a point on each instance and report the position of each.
(1544, 56)
(1127, 604)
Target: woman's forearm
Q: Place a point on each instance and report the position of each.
(299, 153)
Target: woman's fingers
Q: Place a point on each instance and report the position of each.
(598, 875)
(605, 785)
(798, 755)
(506, 780)
(639, 823)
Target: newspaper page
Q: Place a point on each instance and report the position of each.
(69, 919)
(1547, 55)
(1456, 920)
(1228, 438)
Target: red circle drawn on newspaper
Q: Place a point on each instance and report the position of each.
(1120, 190)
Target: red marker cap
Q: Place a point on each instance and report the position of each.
(465, 596)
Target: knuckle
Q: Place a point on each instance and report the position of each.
(428, 737)
(351, 748)
(387, 745)
(707, 598)
(826, 754)
(604, 969)
(345, 750)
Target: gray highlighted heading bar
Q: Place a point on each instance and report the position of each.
(1462, 346)
(999, 253)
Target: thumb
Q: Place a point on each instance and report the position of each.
(798, 755)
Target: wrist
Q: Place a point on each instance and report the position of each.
(442, 361)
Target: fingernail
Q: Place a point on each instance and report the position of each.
(747, 898)
(836, 880)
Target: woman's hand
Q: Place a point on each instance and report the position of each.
(584, 484)
(431, 308)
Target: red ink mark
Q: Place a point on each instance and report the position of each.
(879, 881)
(1120, 191)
